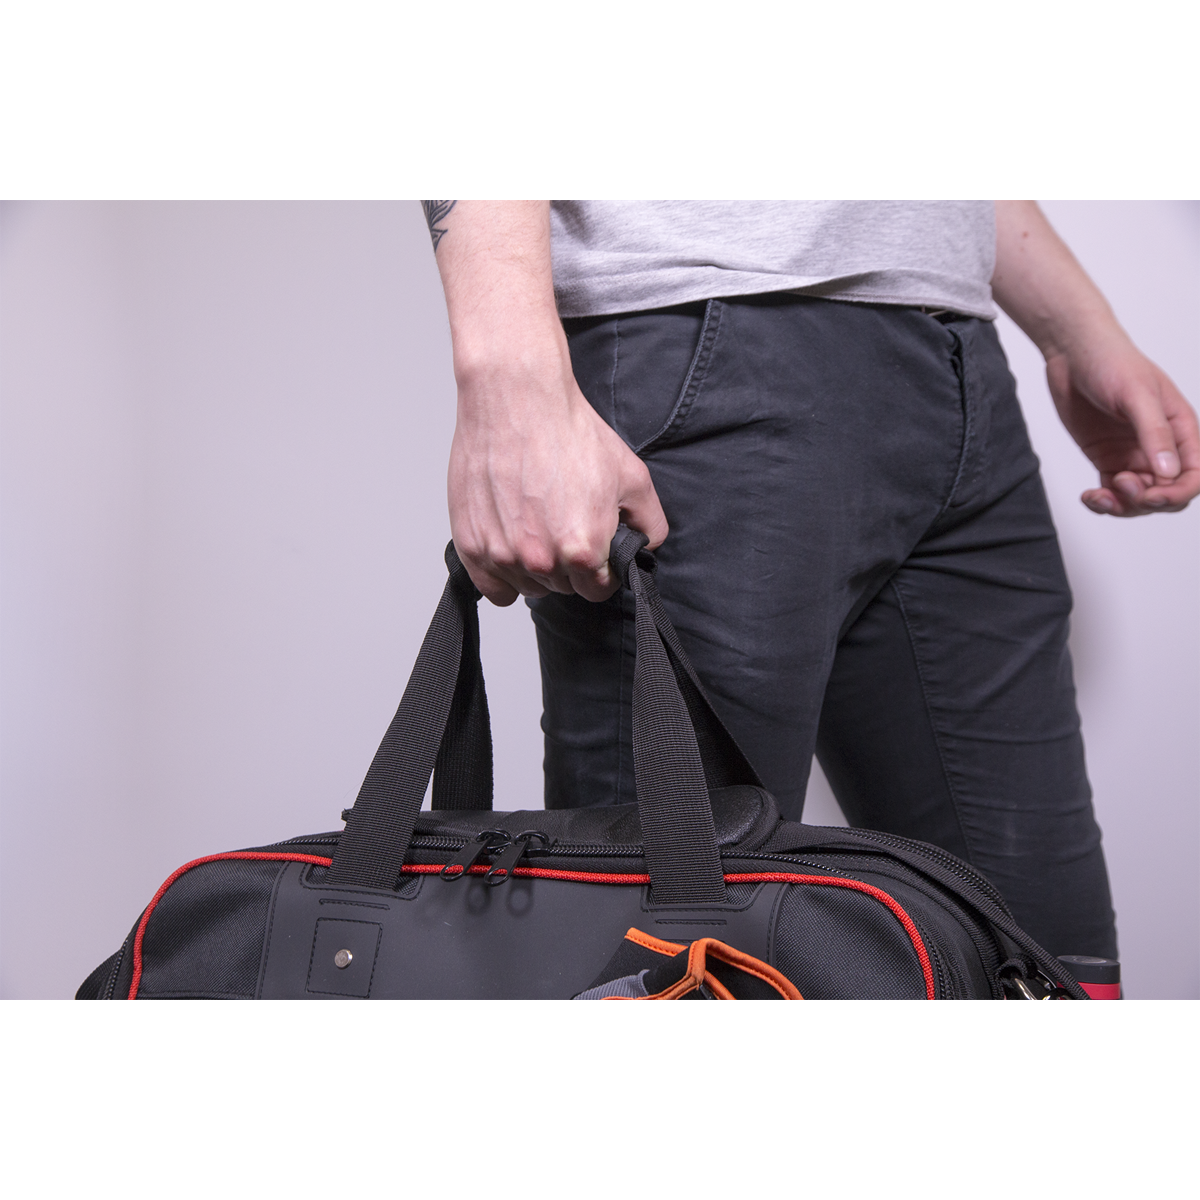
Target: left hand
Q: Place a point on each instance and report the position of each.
(1132, 422)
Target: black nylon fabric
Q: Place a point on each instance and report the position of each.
(838, 942)
(958, 877)
(205, 936)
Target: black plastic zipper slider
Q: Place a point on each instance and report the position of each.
(504, 866)
(487, 842)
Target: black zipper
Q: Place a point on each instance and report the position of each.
(431, 841)
(950, 862)
(110, 984)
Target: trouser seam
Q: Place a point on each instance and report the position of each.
(968, 430)
(612, 383)
(697, 374)
(937, 741)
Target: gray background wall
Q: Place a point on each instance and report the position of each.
(222, 508)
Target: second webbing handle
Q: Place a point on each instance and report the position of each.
(442, 719)
(672, 720)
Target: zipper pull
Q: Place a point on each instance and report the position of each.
(487, 842)
(504, 866)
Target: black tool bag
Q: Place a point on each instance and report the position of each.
(464, 902)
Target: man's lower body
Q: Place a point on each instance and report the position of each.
(861, 564)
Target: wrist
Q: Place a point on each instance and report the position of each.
(514, 382)
(1075, 333)
(500, 337)
(501, 367)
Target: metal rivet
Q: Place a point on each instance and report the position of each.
(342, 959)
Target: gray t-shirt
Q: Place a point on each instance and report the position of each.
(615, 256)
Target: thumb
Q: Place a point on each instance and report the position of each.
(1144, 409)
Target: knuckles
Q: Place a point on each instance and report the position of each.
(530, 557)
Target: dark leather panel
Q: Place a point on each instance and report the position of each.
(352, 943)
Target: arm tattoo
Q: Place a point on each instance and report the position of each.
(435, 211)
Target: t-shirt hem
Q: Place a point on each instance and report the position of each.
(572, 305)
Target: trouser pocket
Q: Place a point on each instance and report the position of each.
(968, 484)
(641, 371)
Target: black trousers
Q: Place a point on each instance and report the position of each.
(861, 564)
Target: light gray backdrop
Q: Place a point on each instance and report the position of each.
(225, 430)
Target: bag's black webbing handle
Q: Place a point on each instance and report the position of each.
(442, 720)
(462, 774)
(681, 747)
(672, 791)
(724, 762)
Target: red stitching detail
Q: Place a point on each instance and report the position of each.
(254, 855)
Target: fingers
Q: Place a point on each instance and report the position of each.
(576, 566)
(503, 575)
(1102, 501)
(1124, 497)
(535, 512)
(1133, 494)
(1171, 493)
(494, 588)
(1167, 477)
(535, 568)
(594, 583)
(1167, 435)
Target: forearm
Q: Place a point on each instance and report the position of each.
(1122, 410)
(494, 260)
(1040, 284)
(537, 481)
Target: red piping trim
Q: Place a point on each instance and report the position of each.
(254, 855)
(856, 885)
(532, 873)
